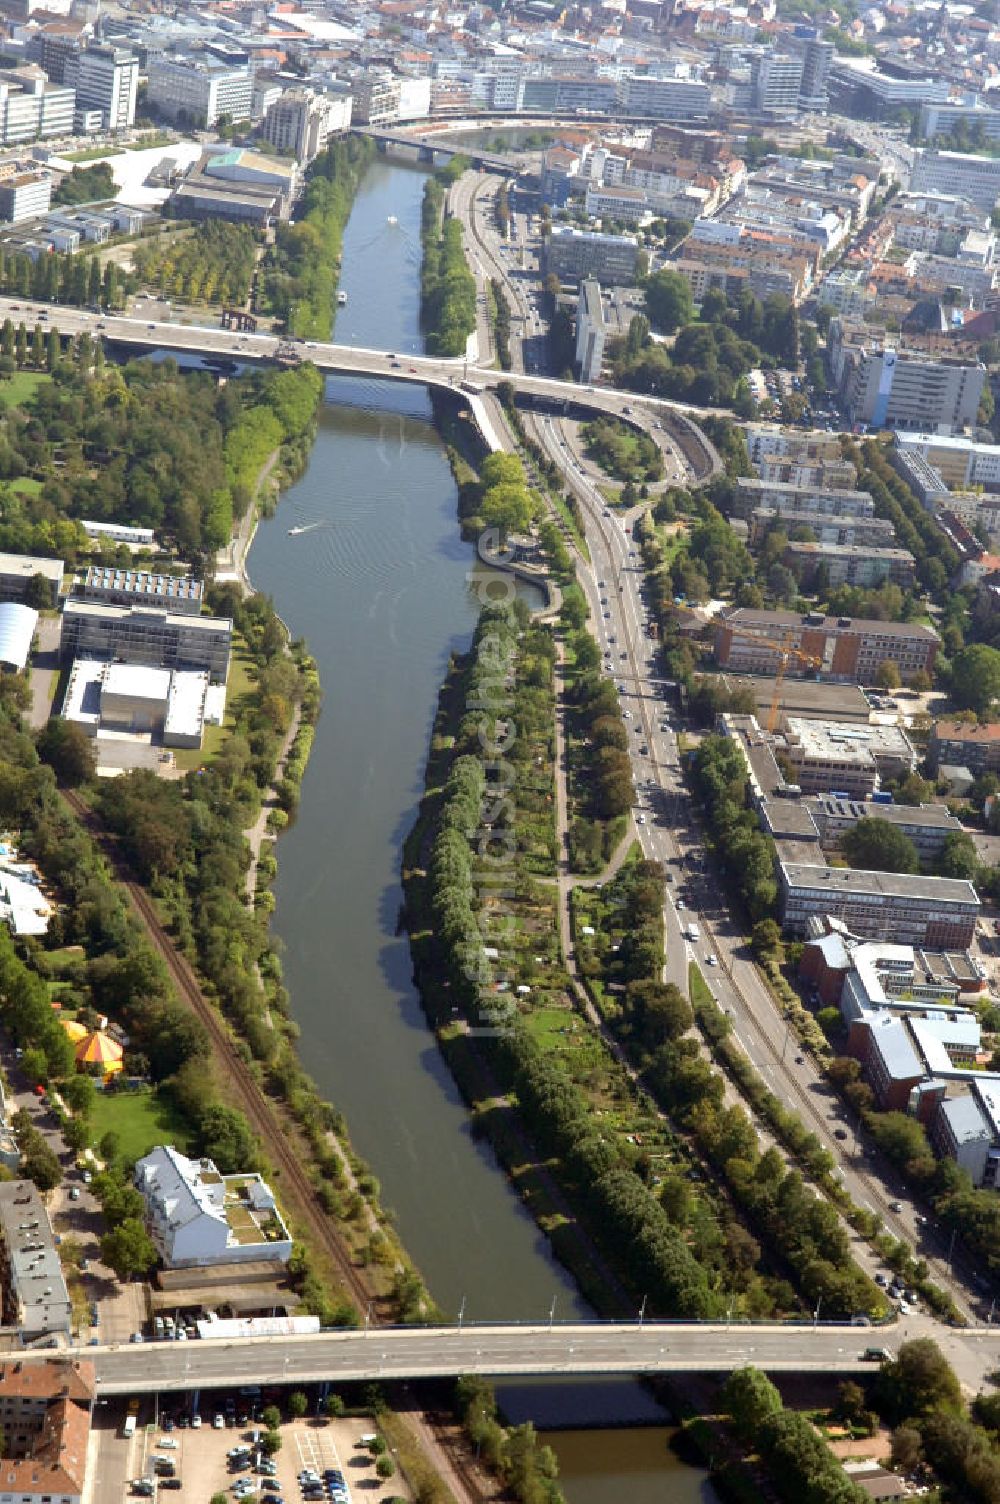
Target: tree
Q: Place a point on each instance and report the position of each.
(38, 593)
(79, 1093)
(110, 1146)
(907, 1449)
(750, 1398)
(668, 301)
(128, 1249)
(335, 1406)
(887, 675)
(766, 938)
(271, 1443)
(298, 1404)
(919, 1381)
(958, 856)
(876, 846)
(385, 1467)
(40, 1164)
(271, 1417)
(975, 677)
(68, 751)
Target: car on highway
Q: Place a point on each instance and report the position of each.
(895, 1206)
(712, 960)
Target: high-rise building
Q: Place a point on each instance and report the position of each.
(25, 196)
(952, 172)
(887, 388)
(376, 98)
(816, 62)
(777, 83)
(301, 122)
(105, 79)
(589, 330)
(572, 255)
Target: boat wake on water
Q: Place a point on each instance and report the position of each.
(307, 527)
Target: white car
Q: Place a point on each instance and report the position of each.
(712, 960)
(196, 1422)
(167, 1441)
(218, 1422)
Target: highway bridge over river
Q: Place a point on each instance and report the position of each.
(596, 1349)
(215, 344)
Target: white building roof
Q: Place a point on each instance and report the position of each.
(934, 1033)
(186, 704)
(136, 681)
(17, 628)
(174, 1185)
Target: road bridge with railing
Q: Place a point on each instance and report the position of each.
(228, 347)
(595, 1349)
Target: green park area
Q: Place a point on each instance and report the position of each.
(141, 1120)
(21, 386)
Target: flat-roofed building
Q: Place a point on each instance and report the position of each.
(25, 196)
(750, 492)
(24, 573)
(926, 825)
(849, 564)
(143, 635)
(833, 756)
(35, 1298)
(572, 255)
(826, 527)
(748, 640)
(117, 532)
(911, 909)
(590, 331)
(111, 586)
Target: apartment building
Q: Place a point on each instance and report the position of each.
(776, 82)
(883, 387)
(193, 89)
(849, 564)
(573, 255)
(971, 111)
(107, 79)
(45, 1411)
(834, 647)
(790, 499)
(909, 909)
(961, 463)
(301, 122)
(376, 97)
(962, 744)
(827, 528)
(628, 205)
(142, 634)
(35, 1298)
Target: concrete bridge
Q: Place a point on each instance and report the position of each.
(454, 374)
(597, 1349)
(428, 148)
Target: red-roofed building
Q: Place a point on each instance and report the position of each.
(45, 1411)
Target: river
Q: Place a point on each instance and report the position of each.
(379, 588)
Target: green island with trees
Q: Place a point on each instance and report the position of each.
(447, 286)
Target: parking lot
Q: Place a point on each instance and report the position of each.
(201, 1457)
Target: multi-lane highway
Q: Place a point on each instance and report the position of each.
(664, 819)
(435, 1352)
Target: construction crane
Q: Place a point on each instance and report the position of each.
(787, 652)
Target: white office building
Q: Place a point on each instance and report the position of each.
(106, 79)
(665, 98)
(777, 81)
(974, 178)
(190, 89)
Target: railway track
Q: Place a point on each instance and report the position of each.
(250, 1097)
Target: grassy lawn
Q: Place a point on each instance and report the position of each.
(93, 153)
(26, 485)
(18, 389)
(140, 1119)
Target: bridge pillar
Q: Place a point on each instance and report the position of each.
(195, 1400)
